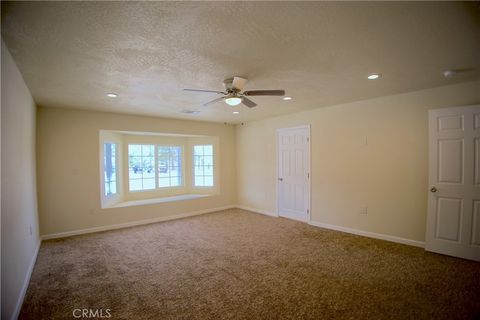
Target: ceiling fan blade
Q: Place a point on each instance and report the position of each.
(239, 83)
(249, 103)
(213, 101)
(201, 90)
(264, 93)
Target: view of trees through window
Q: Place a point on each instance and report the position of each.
(141, 167)
(203, 165)
(154, 166)
(169, 166)
(110, 168)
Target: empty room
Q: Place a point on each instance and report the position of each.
(240, 160)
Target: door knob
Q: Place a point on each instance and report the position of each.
(433, 189)
(280, 179)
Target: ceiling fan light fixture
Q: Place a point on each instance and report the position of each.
(233, 101)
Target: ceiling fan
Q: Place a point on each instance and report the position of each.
(233, 94)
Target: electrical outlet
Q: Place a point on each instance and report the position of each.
(363, 210)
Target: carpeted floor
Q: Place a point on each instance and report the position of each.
(239, 265)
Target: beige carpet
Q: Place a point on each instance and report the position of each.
(239, 265)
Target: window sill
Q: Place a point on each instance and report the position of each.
(157, 200)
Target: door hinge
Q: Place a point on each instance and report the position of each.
(308, 211)
(308, 139)
(308, 175)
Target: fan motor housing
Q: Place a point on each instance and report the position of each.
(228, 84)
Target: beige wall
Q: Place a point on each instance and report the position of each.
(389, 174)
(20, 237)
(68, 168)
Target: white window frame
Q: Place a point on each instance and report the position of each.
(182, 171)
(214, 165)
(157, 187)
(128, 167)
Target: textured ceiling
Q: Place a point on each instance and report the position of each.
(72, 53)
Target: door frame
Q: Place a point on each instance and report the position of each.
(308, 158)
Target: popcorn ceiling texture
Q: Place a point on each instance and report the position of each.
(72, 53)
(239, 265)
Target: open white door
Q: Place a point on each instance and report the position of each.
(453, 220)
(293, 185)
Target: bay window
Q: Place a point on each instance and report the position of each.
(147, 166)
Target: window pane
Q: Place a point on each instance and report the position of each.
(198, 150)
(163, 182)
(208, 181)
(134, 150)
(199, 181)
(175, 181)
(174, 171)
(163, 151)
(176, 151)
(169, 166)
(198, 161)
(113, 187)
(208, 161)
(148, 184)
(208, 170)
(163, 169)
(208, 150)
(147, 150)
(109, 174)
(148, 167)
(141, 166)
(135, 173)
(203, 166)
(135, 162)
(135, 184)
(198, 171)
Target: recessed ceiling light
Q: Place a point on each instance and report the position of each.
(287, 98)
(236, 112)
(112, 95)
(373, 76)
(449, 73)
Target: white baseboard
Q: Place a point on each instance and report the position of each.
(368, 234)
(267, 213)
(26, 282)
(132, 223)
(264, 212)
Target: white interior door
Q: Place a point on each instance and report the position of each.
(294, 173)
(453, 220)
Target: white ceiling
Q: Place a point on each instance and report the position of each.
(72, 53)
